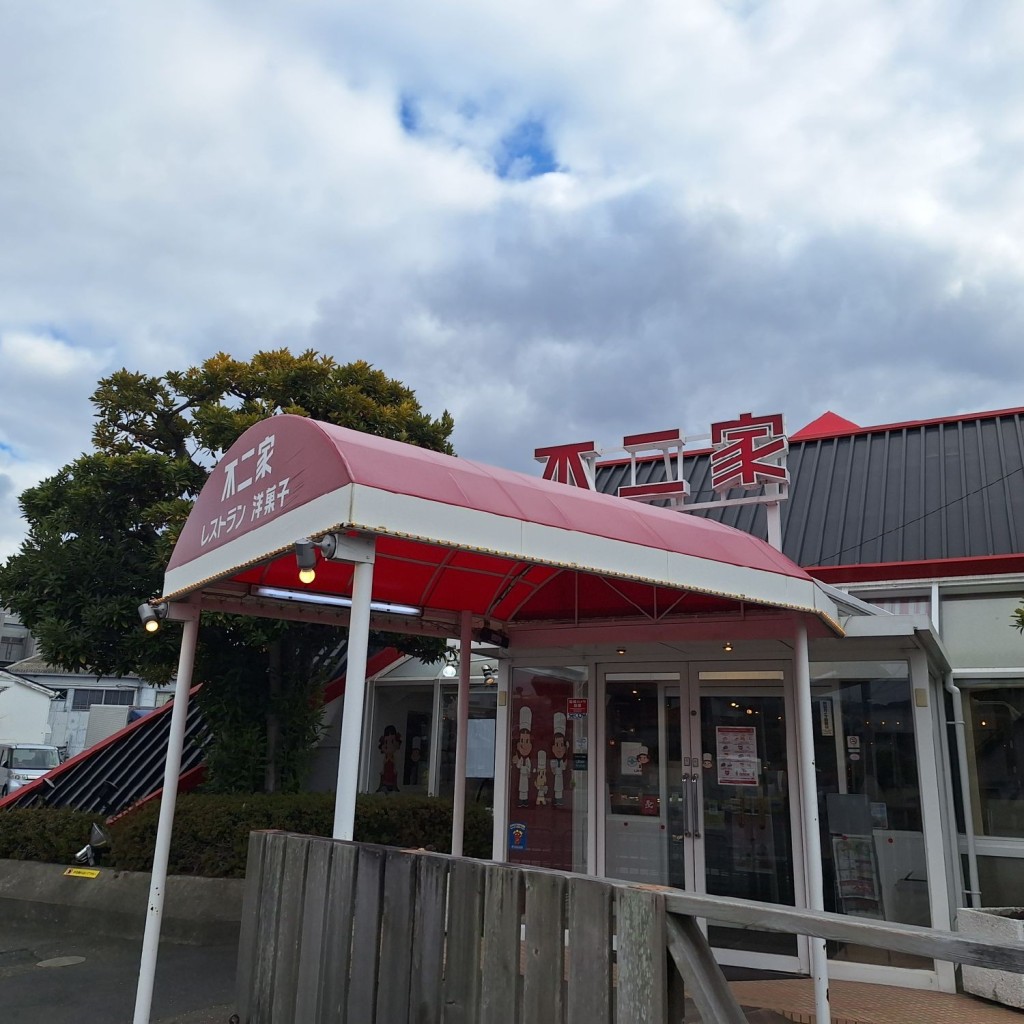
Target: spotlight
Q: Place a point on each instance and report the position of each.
(727, 646)
(489, 677)
(152, 615)
(620, 650)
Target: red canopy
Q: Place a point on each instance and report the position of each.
(454, 535)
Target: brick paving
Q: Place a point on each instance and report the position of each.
(854, 1002)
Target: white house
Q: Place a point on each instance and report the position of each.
(24, 710)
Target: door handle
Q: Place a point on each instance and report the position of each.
(685, 793)
(696, 805)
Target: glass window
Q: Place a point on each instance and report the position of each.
(483, 705)
(34, 758)
(995, 747)
(869, 799)
(632, 755)
(400, 739)
(85, 698)
(548, 768)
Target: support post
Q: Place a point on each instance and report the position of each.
(172, 769)
(355, 698)
(811, 830)
(462, 732)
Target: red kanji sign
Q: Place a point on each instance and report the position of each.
(748, 452)
(569, 463)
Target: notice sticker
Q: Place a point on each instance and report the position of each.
(82, 873)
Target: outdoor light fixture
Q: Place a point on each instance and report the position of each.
(332, 600)
(489, 678)
(152, 615)
(305, 554)
(620, 650)
(727, 646)
(451, 663)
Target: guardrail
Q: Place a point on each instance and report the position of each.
(358, 934)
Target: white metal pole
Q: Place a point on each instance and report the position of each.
(172, 769)
(462, 732)
(775, 524)
(811, 833)
(355, 696)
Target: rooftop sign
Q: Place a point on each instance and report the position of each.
(747, 453)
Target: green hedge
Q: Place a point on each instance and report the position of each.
(211, 833)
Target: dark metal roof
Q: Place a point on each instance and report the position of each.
(120, 770)
(938, 490)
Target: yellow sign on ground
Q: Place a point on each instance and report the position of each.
(83, 872)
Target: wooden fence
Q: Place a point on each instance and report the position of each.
(349, 933)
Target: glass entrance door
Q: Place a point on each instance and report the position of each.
(699, 794)
(741, 784)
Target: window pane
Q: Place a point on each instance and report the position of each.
(995, 746)
(483, 704)
(400, 747)
(548, 769)
(870, 801)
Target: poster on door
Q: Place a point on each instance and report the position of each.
(736, 749)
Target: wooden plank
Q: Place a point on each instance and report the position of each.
(640, 996)
(703, 978)
(902, 938)
(589, 992)
(266, 956)
(289, 927)
(249, 931)
(427, 968)
(544, 947)
(338, 932)
(462, 947)
(365, 956)
(501, 940)
(395, 932)
(312, 965)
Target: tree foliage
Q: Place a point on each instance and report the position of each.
(101, 531)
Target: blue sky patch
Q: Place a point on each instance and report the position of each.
(409, 115)
(526, 152)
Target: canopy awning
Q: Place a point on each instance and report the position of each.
(453, 535)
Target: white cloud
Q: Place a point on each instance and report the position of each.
(758, 206)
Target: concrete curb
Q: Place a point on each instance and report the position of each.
(199, 911)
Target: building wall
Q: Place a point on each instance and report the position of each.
(24, 712)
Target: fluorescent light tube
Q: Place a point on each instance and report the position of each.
(333, 601)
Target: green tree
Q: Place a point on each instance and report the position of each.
(102, 529)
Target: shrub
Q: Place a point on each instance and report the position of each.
(211, 832)
(49, 834)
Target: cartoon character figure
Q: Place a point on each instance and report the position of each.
(541, 778)
(557, 761)
(521, 757)
(388, 745)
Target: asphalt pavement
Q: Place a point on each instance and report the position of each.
(49, 976)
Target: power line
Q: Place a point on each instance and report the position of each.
(924, 515)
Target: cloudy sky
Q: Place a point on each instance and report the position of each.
(560, 221)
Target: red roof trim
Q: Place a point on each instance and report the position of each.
(869, 572)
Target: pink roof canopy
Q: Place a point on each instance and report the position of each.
(454, 535)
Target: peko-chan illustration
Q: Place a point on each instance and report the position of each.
(541, 778)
